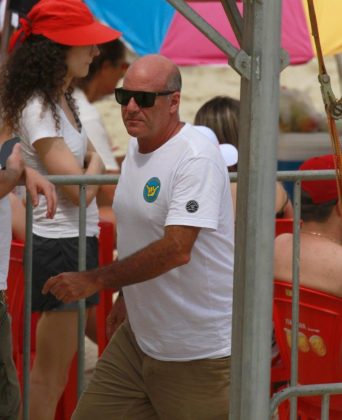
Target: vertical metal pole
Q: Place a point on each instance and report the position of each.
(253, 278)
(295, 295)
(27, 309)
(81, 303)
(325, 407)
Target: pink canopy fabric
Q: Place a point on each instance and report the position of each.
(154, 26)
(186, 45)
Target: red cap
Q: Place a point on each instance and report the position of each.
(67, 22)
(320, 190)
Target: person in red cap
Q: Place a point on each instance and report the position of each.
(320, 234)
(54, 45)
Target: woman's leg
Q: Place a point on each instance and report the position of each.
(56, 344)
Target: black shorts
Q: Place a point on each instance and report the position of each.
(54, 256)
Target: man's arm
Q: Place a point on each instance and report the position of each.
(36, 184)
(172, 251)
(10, 176)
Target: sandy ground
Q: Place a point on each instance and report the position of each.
(202, 83)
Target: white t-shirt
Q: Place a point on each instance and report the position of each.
(184, 314)
(95, 130)
(5, 240)
(36, 124)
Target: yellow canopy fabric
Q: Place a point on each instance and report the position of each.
(329, 20)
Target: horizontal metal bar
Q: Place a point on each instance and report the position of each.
(113, 179)
(297, 175)
(83, 179)
(305, 390)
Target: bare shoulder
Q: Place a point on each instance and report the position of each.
(283, 256)
(283, 241)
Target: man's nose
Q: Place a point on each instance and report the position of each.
(132, 106)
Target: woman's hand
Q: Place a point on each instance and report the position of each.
(37, 184)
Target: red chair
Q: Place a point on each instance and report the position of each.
(279, 373)
(106, 248)
(283, 226)
(15, 297)
(319, 343)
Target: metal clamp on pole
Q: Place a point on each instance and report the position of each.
(329, 99)
(242, 64)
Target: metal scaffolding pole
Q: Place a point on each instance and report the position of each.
(253, 279)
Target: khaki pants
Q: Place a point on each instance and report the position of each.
(127, 384)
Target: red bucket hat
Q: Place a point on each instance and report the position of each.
(67, 22)
(320, 190)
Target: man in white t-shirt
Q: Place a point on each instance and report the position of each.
(35, 183)
(171, 359)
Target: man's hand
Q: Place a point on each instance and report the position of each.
(69, 287)
(116, 316)
(38, 184)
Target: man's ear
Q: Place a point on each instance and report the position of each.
(175, 101)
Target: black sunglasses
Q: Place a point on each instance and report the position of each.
(142, 99)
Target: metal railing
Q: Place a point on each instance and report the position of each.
(292, 392)
(82, 181)
(295, 390)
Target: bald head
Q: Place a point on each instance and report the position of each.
(155, 72)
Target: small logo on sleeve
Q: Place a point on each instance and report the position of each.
(192, 206)
(151, 190)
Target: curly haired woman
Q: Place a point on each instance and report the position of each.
(52, 47)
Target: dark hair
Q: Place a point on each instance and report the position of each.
(113, 51)
(174, 82)
(36, 67)
(311, 212)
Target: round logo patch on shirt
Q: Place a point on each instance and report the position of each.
(192, 206)
(151, 189)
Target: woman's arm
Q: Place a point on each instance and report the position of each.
(59, 160)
